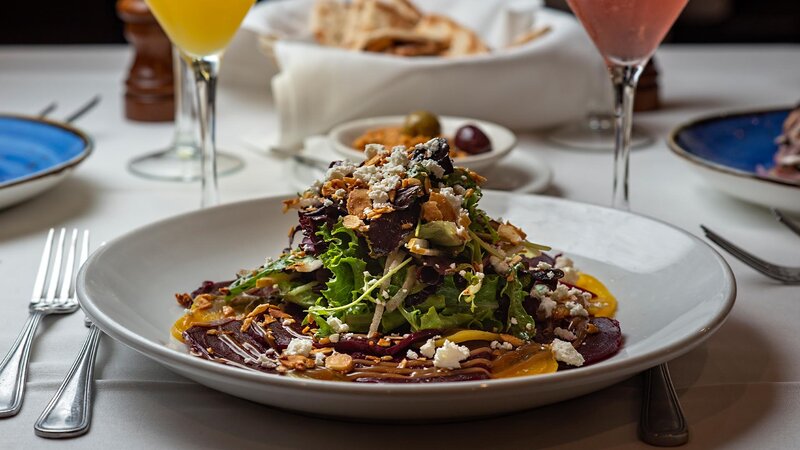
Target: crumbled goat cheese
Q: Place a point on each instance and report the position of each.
(428, 349)
(340, 193)
(265, 362)
(371, 150)
(451, 197)
(450, 355)
(341, 170)
(547, 306)
(379, 190)
(319, 359)
(565, 352)
(433, 168)
(543, 266)
(398, 161)
(576, 309)
(411, 354)
(337, 325)
(366, 174)
(568, 267)
(513, 321)
(564, 334)
(299, 346)
(334, 338)
(501, 345)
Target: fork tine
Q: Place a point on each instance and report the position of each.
(751, 260)
(785, 221)
(55, 272)
(66, 284)
(38, 285)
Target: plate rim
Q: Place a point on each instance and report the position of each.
(88, 148)
(340, 147)
(677, 149)
(170, 356)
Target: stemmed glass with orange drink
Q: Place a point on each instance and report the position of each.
(201, 29)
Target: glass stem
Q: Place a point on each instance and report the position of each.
(185, 141)
(624, 79)
(205, 77)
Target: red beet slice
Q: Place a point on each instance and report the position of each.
(604, 344)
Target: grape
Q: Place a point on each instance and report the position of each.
(472, 140)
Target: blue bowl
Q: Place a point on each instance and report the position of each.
(35, 154)
(741, 144)
(733, 151)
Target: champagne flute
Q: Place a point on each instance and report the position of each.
(181, 160)
(201, 29)
(627, 33)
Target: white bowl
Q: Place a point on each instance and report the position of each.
(503, 140)
(674, 291)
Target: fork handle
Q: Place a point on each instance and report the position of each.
(662, 422)
(69, 413)
(14, 368)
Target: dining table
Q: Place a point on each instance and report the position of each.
(739, 389)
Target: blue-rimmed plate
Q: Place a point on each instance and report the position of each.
(732, 151)
(36, 154)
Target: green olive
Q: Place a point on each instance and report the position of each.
(422, 123)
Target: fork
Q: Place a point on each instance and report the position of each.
(787, 275)
(14, 368)
(69, 413)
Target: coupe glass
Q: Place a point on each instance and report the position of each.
(182, 159)
(627, 33)
(201, 29)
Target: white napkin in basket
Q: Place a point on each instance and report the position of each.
(540, 84)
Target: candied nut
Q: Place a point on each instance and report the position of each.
(227, 311)
(511, 233)
(203, 301)
(358, 201)
(259, 309)
(297, 362)
(384, 343)
(212, 331)
(374, 160)
(185, 300)
(323, 350)
(430, 211)
(592, 328)
(406, 226)
(386, 358)
(265, 282)
(445, 208)
(246, 324)
(513, 340)
(351, 222)
(278, 314)
(410, 182)
(341, 362)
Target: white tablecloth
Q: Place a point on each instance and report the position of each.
(739, 390)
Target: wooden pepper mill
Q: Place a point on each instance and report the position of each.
(149, 88)
(647, 96)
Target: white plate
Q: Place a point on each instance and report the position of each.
(674, 291)
(503, 140)
(522, 172)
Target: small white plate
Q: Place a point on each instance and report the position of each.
(674, 291)
(522, 172)
(503, 140)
